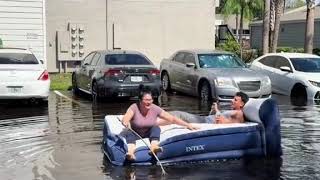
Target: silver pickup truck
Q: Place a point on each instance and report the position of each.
(212, 74)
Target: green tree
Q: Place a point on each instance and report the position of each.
(245, 8)
(1, 44)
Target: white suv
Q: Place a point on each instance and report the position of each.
(22, 75)
(293, 74)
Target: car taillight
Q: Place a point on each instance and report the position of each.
(113, 72)
(44, 76)
(154, 72)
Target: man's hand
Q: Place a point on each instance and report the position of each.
(192, 127)
(221, 120)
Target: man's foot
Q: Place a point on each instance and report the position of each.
(155, 149)
(130, 157)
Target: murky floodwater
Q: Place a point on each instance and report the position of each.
(63, 141)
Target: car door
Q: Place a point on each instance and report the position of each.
(91, 70)
(83, 72)
(283, 80)
(176, 71)
(266, 66)
(188, 74)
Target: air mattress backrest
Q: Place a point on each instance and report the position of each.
(266, 112)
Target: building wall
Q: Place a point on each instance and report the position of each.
(22, 25)
(291, 34)
(156, 28)
(91, 14)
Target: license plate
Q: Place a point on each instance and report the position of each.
(14, 90)
(136, 78)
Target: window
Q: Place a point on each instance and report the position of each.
(17, 58)
(220, 61)
(306, 64)
(179, 57)
(246, 31)
(126, 59)
(95, 59)
(87, 59)
(268, 61)
(281, 61)
(189, 58)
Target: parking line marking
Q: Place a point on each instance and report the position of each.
(64, 96)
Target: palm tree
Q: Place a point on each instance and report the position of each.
(246, 9)
(309, 33)
(266, 27)
(230, 8)
(279, 5)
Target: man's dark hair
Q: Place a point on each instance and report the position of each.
(244, 97)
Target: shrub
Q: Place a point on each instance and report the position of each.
(316, 51)
(230, 45)
(290, 49)
(233, 46)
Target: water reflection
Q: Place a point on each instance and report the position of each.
(254, 169)
(62, 140)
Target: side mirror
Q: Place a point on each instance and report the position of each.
(190, 65)
(41, 61)
(285, 69)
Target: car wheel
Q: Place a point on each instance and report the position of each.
(75, 88)
(95, 91)
(205, 92)
(166, 82)
(299, 95)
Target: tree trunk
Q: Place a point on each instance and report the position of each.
(266, 21)
(241, 29)
(309, 33)
(279, 10)
(237, 27)
(272, 22)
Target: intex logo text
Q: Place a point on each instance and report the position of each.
(195, 148)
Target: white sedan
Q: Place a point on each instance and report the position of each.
(293, 74)
(22, 75)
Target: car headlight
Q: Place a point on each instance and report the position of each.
(315, 83)
(266, 81)
(224, 82)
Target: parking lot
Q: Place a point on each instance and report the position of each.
(62, 141)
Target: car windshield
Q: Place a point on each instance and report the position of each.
(17, 58)
(126, 59)
(306, 64)
(220, 61)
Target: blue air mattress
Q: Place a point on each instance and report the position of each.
(259, 136)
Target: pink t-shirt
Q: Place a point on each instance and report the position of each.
(142, 124)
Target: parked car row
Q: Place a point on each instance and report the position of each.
(204, 73)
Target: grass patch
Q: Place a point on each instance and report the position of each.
(60, 81)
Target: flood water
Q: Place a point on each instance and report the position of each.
(63, 141)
